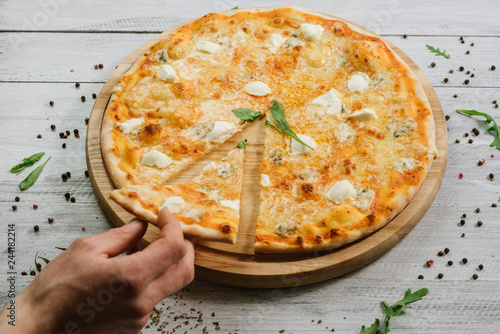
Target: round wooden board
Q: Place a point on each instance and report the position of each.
(238, 265)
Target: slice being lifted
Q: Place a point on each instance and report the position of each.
(208, 206)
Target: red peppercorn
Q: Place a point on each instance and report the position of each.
(460, 176)
(68, 132)
(83, 229)
(471, 44)
(35, 206)
(451, 71)
(468, 72)
(429, 263)
(455, 96)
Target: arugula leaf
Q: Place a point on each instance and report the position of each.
(241, 144)
(30, 161)
(278, 116)
(397, 308)
(394, 310)
(373, 329)
(437, 51)
(31, 179)
(248, 115)
(489, 119)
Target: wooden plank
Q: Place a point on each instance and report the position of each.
(384, 17)
(72, 53)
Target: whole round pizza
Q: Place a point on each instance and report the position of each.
(349, 133)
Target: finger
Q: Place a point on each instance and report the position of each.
(119, 240)
(162, 253)
(134, 249)
(174, 278)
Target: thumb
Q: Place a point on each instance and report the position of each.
(119, 240)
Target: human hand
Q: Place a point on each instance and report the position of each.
(87, 289)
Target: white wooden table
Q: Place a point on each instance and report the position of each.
(48, 46)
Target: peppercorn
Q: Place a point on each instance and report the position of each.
(466, 82)
(52, 127)
(470, 141)
(405, 36)
(94, 96)
(480, 162)
(464, 260)
(101, 65)
(39, 136)
(32, 273)
(491, 176)
(494, 205)
(86, 121)
(420, 276)
(446, 250)
(68, 132)
(64, 177)
(433, 64)
(471, 44)
(35, 206)
(455, 96)
(496, 105)
(440, 253)
(493, 67)
(24, 273)
(475, 276)
(17, 199)
(480, 267)
(466, 134)
(460, 176)
(467, 52)
(51, 103)
(457, 141)
(464, 215)
(96, 67)
(36, 228)
(51, 220)
(462, 222)
(83, 98)
(479, 223)
(61, 134)
(463, 235)
(450, 263)
(463, 42)
(446, 80)
(440, 275)
(64, 145)
(73, 200)
(494, 101)
(451, 71)
(472, 75)
(468, 72)
(14, 207)
(478, 210)
(68, 174)
(461, 68)
(447, 117)
(77, 85)
(67, 195)
(86, 173)
(429, 263)
(475, 131)
(83, 229)
(461, 38)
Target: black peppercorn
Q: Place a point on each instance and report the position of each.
(64, 145)
(457, 141)
(39, 136)
(450, 263)
(472, 75)
(480, 267)
(52, 127)
(478, 210)
(494, 205)
(86, 173)
(440, 275)
(433, 64)
(14, 207)
(67, 195)
(68, 174)
(420, 276)
(475, 276)
(64, 177)
(24, 273)
(73, 200)
(77, 85)
(466, 81)
(462, 222)
(464, 260)
(51, 103)
(475, 131)
(446, 250)
(467, 52)
(470, 141)
(463, 235)
(447, 117)
(440, 253)
(464, 215)
(86, 121)
(36, 228)
(479, 223)
(83, 98)
(17, 199)
(51, 220)
(405, 36)
(61, 134)
(32, 273)
(446, 80)
(94, 96)
(493, 67)
(101, 65)
(461, 68)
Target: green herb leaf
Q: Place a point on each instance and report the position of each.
(248, 115)
(394, 310)
(373, 329)
(241, 144)
(234, 8)
(44, 259)
(437, 51)
(278, 116)
(31, 179)
(30, 161)
(489, 119)
(397, 308)
(61, 248)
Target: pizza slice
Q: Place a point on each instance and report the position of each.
(207, 207)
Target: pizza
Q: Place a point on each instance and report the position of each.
(349, 133)
(207, 207)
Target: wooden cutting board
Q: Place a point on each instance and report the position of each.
(237, 265)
